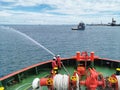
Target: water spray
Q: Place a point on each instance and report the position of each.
(29, 38)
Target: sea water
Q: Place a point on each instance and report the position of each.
(17, 52)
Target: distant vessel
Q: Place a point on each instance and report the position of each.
(113, 23)
(81, 26)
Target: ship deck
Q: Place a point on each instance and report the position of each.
(26, 83)
(22, 79)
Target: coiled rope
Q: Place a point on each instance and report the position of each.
(61, 82)
(35, 84)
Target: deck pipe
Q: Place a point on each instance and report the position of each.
(78, 57)
(92, 58)
(92, 81)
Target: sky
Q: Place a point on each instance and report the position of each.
(49, 12)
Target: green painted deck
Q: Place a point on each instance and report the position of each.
(26, 83)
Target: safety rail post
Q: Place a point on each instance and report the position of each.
(1, 83)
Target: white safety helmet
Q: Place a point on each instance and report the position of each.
(54, 58)
(58, 55)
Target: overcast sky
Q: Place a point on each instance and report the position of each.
(58, 11)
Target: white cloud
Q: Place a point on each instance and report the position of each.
(8, 0)
(27, 3)
(66, 11)
(5, 13)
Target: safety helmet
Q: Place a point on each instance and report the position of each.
(58, 55)
(54, 58)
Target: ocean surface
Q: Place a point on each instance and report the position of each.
(17, 51)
